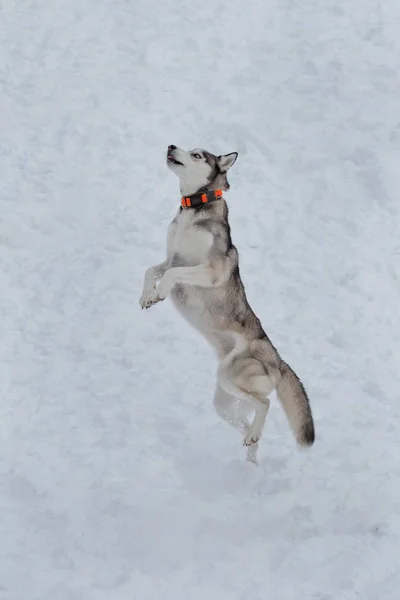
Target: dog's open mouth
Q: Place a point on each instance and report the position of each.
(173, 160)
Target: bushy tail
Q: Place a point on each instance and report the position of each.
(294, 400)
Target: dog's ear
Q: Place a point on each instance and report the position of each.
(226, 161)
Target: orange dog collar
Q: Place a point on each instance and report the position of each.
(199, 199)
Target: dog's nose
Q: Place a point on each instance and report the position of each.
(172, 147)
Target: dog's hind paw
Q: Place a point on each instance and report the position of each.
(250, 439)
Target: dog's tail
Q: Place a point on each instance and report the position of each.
(294, 400)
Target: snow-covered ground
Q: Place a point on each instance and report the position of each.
(117, 479)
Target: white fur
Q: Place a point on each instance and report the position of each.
(194, 173)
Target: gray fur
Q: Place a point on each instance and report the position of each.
(201, 274)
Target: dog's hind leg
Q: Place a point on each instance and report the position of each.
(257, 425)
(245, 377)
(231, 409)
(234, 411)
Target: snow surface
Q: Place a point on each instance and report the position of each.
(117, 479)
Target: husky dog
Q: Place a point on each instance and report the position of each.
(201, 274)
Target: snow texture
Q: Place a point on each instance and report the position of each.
(117, 479)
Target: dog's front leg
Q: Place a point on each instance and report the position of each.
(152, 275)
(201, 275)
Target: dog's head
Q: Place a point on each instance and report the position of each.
(199, 170)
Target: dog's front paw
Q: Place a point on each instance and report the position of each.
(153, 298)
(145, 296)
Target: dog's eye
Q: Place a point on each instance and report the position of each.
(195, 155)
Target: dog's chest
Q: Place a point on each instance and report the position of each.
(188, 244)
